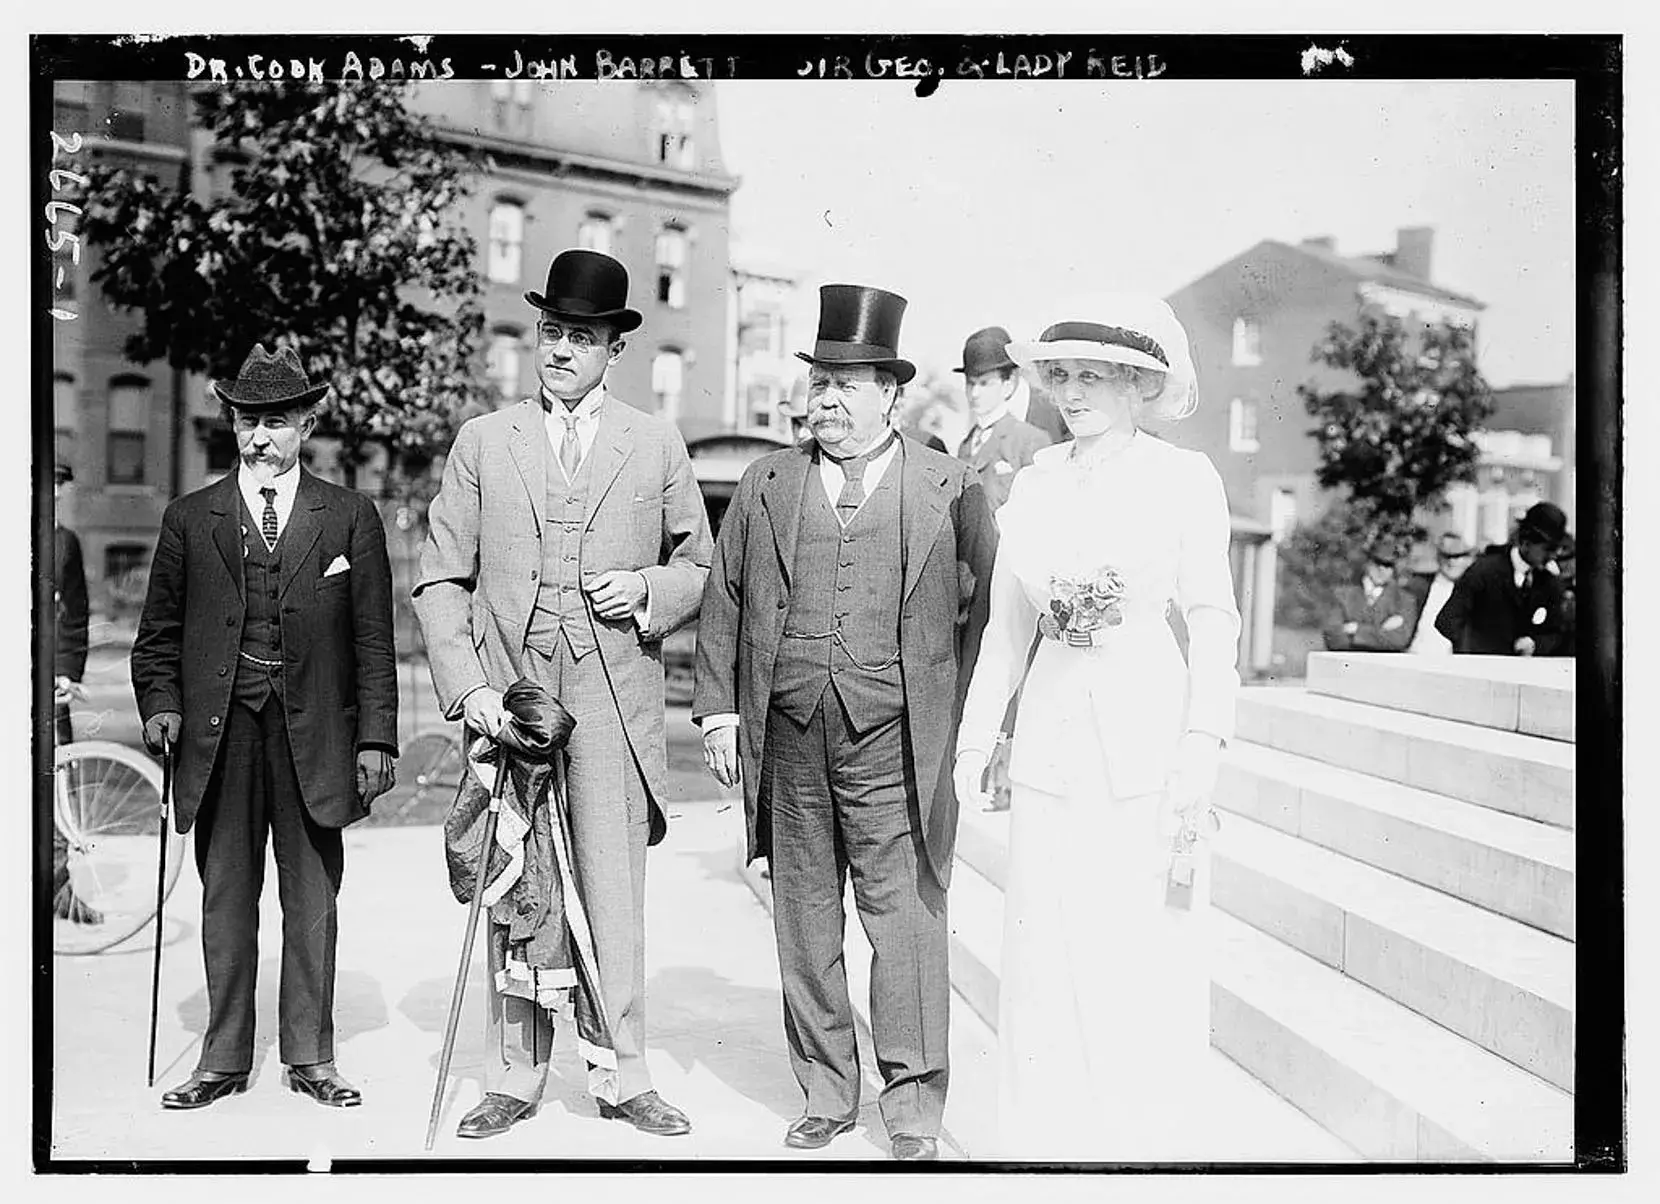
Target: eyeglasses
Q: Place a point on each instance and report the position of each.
(579, 338)
(1108, 373)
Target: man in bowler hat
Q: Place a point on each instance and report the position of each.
(567, 540)
(1509, 603)
(264, 654)
(998, 444)
(839, 628)
(1377, 615)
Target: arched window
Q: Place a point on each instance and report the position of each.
(672, 125)
(507, 233)
(671, 266)
(668, 381)
(595, 232)
(129, 423)
(1247, 342)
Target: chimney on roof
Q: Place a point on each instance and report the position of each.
(1413, 247)
(1324, 243)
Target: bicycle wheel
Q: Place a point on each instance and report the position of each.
(107, 807)
(429, 771)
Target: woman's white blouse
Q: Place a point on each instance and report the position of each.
(1158, 515)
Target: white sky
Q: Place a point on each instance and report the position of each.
(987, 202)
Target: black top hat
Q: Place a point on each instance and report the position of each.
(1544, 521)
(588, 285)
(270, 382)
(986, 351)
(858, 324)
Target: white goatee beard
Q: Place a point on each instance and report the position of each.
(262, 471)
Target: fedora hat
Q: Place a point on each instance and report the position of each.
(986, 351)
(270, 382)
(1121, 328)
(1545, 521)
(587, 285)
(858, 324)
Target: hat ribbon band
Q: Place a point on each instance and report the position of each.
(1113, 336)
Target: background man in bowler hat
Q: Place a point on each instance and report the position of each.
(1509, 603)
(264, 653)
(998, 444)
(839, 628)
(1431, 591)
(567, 540)
(1377, 615)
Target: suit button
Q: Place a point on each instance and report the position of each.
(230, 620)
(222, 670)
(533, 574)
(782, 603)
(214, 722)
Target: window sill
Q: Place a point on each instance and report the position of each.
(1245, 449)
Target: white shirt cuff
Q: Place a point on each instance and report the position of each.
(642, 613)
(713, 723)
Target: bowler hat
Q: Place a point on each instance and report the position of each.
(986, 351)
(587, 285)
(270, 382)
(858, 324)
(1544, 521)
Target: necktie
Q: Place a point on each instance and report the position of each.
(971, 445)
(570, 449)
(853, 483)
(268, 520)
(1527, 580)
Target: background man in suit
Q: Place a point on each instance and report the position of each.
(567, 540)
(839, 627)
(1431, 591)
(1509, 603)
(998, 444)
(1378, 614)
(71, 617)
(264, 653)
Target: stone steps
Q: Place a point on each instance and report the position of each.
(1517, 867)
(1498, 983)
(1533, 697)
(1504, 771)
(1388, 1082)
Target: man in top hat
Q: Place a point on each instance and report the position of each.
(1509, 603)
(1431, 591)
(998, 444)
(264, 654)
(839, 627)
(1377, 615)
(567, 540)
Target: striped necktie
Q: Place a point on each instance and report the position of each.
(570, 448)
(268, 520)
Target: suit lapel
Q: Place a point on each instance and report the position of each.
(781, 496)
(227, 528)
(527, 442)
(305, 526)
(613, 444)
(922, 507)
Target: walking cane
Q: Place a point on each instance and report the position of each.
(467, 943)
(161, 894)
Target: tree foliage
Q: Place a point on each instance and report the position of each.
(333, 234)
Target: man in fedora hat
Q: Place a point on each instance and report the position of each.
(1431, 591)
(1509, 603)
(1377, 615)
(264, 655)
(567, 540)
(998, 444)
(841, 618)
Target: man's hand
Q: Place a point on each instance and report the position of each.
(1393, 623)
(66, 690)
(720, 754)
(1525, 646)
(375, 774)
(968, 775)
(1350, 627)
(162, 723)
(618, 594)
(483, 712)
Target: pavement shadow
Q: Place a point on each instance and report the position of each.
(699, 1017)
(359, 1007)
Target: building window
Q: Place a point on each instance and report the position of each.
(127, 111)
(507, 232)
(668, 381)
(129, 421)
(1282, 513)
(503, 360)
(66, 415)
(673, 133)
(594, 233)
(671, 267)
(1247, 342)
(220, 446)
(762, 403)
(125, 571)
(1242, 425)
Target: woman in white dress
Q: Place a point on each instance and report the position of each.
(1103, 1019)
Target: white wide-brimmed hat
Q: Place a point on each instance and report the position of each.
(1121, 328)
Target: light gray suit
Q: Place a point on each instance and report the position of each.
(478, 587)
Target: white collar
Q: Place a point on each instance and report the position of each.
(1518, 567)
(286, 485)
(586, 410)
(992, 419)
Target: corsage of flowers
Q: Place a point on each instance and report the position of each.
(1080, 606)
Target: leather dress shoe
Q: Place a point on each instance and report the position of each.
(911, 1147)
(649, 1113)
(816, 1132)
(493, 1115)
(203, 1088)
(326, 1087)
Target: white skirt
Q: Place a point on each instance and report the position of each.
(1103, 1013)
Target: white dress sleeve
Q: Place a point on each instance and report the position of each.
(1010, 628)
(1204, 591)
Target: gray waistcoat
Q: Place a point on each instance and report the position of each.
(560, 606)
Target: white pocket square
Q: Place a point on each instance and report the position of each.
(339, 565)
(1002, 468)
